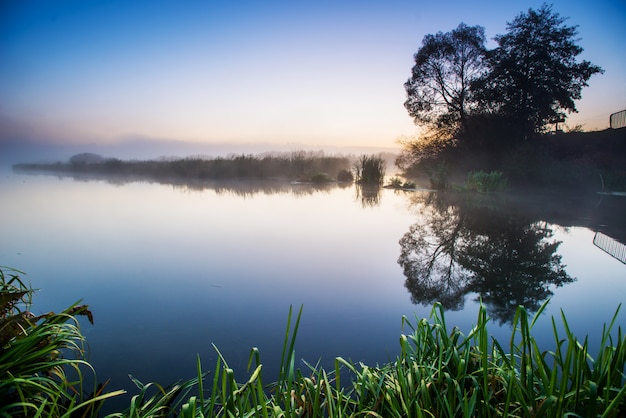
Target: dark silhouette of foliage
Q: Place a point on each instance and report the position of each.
(296, 165)
(438, 92)
(463, 247)
(86, 158)
(471, 98)
(345, 176)
(368, 195)
(533, 75)
(370, 170)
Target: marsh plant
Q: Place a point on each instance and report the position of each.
(438, 176)
(42, 367)
(291, 166)
(370, 170)
(398, 183)
(440, 372)
(482, 182)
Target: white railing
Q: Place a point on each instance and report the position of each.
(612, 247)
(618, 119)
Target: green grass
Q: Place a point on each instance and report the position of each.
(42, 365)
(482, 182)
(439, 372)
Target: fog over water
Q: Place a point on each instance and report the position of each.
(169, 269)
(25, 151)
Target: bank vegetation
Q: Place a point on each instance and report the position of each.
(439, 372)
(296, 166)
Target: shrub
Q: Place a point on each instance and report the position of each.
(345, 176)
(438, 176)
(370, 170)
(482, 182)
(320, 178)
(397, 183)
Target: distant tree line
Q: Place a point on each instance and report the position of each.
(298, 165)
(467, 96)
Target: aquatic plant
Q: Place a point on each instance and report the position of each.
(38, 376)
(370, 170)
(397, 183)
(482, 182)
(438, 372)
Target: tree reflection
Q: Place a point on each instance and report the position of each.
(458, 248)
(368, 195)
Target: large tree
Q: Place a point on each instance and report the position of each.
(438, 92)
(534, 77)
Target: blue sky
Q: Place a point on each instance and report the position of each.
(315, 72)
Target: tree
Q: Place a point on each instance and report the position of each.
(86, 158)
(438, 92)
(458, 247)
(533, 75)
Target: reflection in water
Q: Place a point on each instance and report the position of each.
(460, 247)
(612, 247)
(368, 195)
(241, 188)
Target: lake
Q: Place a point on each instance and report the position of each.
(168, 270)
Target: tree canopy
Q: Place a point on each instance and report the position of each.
(533, 75)
(438, 92)
(532, 78)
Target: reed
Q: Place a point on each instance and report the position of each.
(482, 182)
(439, 372)
(42, 365)
(370, 170)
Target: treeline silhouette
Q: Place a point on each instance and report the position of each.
(302, 166)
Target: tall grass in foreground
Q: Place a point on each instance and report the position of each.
(42, 364)
(438, 373)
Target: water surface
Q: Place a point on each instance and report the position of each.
(169, 270)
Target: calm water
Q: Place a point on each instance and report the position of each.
(168, 270)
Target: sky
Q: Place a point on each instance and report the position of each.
(311, 72)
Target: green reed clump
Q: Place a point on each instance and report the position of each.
(440, 372)
(42, 366)
(446, 373)
(482, 182)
